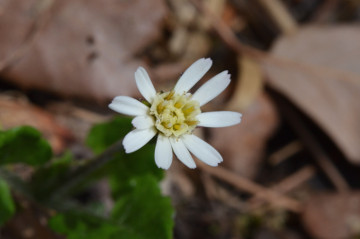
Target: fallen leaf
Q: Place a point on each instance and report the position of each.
(333, 216)
(322, 77)
(78, 120)
(87, 48)
(19, 14)
(242, 146)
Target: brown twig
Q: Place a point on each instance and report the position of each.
(309, 141)
(295, 179)
(285, 152)
(226, 33)
(214, 191)
(287, 185)
(249, 186)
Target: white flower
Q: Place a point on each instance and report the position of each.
(174, 115)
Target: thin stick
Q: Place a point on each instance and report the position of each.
(309, 141)
(295, 179)
(246, 185)
(285, 152)
(216, 192)
(226, 33)
(287, 185)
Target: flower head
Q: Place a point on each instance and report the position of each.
(174, 115)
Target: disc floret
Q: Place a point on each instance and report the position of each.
(175, 114)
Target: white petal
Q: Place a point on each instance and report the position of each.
(219, 119)
(137, 138)
(182, 153)
(143, 122)
(202, 150)
(163, 152)
(212, 88)
(192, 75)
(144, 84)
(128, 106)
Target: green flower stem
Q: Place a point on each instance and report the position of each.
(16, 183)
(20, 187)
(80, 174)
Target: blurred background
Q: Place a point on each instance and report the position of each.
(291, 168)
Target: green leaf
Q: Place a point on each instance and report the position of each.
(23, 145)
(123, 169)
(145, 210)
(103, 135)
(7, 205)
(142, 213)
(77, 226)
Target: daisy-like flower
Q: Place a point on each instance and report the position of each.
(173, 116)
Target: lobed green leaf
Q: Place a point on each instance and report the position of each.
(23, 145)
(144, 210)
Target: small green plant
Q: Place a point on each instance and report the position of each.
(140, 210)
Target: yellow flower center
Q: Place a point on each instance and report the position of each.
(175, 114)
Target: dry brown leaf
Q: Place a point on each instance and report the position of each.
(12, 38)
(78, 120)
(323, 79)
(87, 48)
(242, 146)
(333, 216)
(15, 113)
